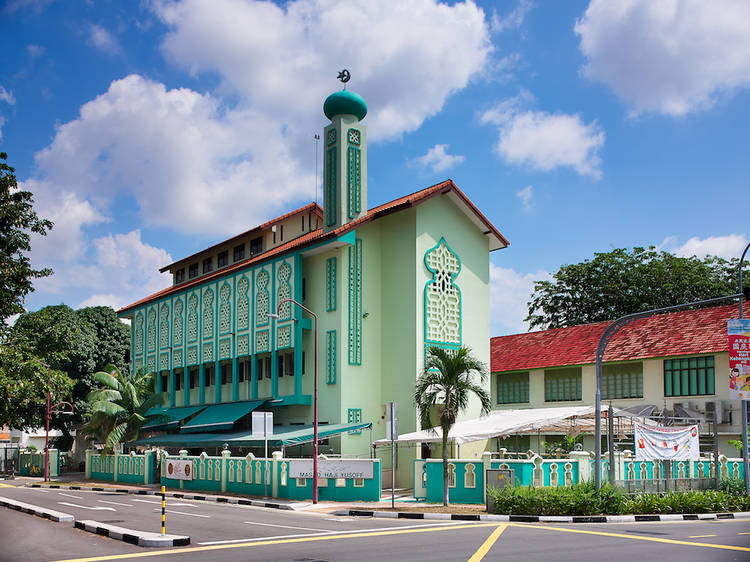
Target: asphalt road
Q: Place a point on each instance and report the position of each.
(229, 532)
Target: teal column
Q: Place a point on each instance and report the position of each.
(217, 381)
(157, 387)
(298, 365)
(235, 379)
(298, 346)
(274, 374)
(172, 388)
(201, 384)
(254, 376)
(186, 387)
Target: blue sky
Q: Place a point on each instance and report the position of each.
(150, 130)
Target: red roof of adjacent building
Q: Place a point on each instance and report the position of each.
(317, 236)
(687, 332)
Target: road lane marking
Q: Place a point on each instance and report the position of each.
(117, 503)
(700, 536)
(6, 486)
(253, 544)
(70, 496)
(486, 545)
(234, 541)
(743, 533)
(146, 501)
(44, 491)
(183, 513)
(94, 508)
(287, 526)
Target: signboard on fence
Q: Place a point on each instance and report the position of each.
(333, 468)
(739, 358)
(179, 469)
(666, 443)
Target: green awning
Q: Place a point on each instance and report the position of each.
(282, 436)
(169, 418)
(219, 417)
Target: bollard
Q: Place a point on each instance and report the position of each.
(163, 509)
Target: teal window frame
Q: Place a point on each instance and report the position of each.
(331, 357)
(563, 385)
(354, 415)
(513, 388)
(331, 268)
(690, 376)
(622, 380)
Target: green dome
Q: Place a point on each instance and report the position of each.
(345, 103)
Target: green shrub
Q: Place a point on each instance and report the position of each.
(732, 485)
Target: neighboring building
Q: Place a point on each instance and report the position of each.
(385, 283)
(677, 361)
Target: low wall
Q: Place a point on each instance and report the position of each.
(129, 469)
(32, 464)
(269, 477)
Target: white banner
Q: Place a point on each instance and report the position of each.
(338, 468)
(179, 469)
(666, 443)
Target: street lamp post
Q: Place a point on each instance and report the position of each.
(315, 391)
(743, 403)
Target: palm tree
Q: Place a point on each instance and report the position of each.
(118, 411)
(447, 383)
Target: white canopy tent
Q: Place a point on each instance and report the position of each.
(501, 423)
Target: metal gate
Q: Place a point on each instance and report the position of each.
(9, 459)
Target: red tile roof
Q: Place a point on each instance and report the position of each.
(686, 332)
(317, 236)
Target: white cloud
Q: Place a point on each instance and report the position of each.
(513, 19)
(35, 50)
(7, 96)
(103, 40)
(510, 292)
(545, 141)
(282, 59)
(525, 196)
(437, 159)
(729, 246)
(672, 57)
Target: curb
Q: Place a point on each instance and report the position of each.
(178, 495)
(140, 538)
(541, 518)
(35, 510)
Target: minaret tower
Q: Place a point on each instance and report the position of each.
(344, 158)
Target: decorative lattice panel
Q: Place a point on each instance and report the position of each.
(139, 334)
(285, 291)
(331, 357)
(225, 309)
(192, 318)
(330, 187)
(243, 304)
(442, 296)
(262, 301)
(164, 327)
(177, 358)
(151, 330)
(331, 284)
(284, 337)
(151, 364)
(138, 363)
(355, 137)
(192, 355)
(164, 361)
(208, 352)
(225, 348)
(355, 303)
(177, 322)
(354, 181)
(208, 314)
(243, 345)
(261, 341)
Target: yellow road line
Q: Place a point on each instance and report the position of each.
(278, 541)
(700, 536)
(484, 549)
(743, 533)
(635, 537)
(6, 486)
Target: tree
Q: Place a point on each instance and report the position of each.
(446, 385)
(118, 411)
(624, 281)
(17, 221)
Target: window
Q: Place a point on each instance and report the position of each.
(622, 381)
(562, 385)
(513, 388)
(256, 246)
(259, 368)
(303, 362)
(303, 223)
(289, 365)
(222, 259)
(209, 375)
(193, 270)
(282, 232)
(280, 366)
(242, 375)
(304, 289)
(274, 235)
(179, 275)
(208, 265)
(691, 376)
(193, 378)
(238, 253)
(178, 381)
(226, 373)
(164, 382)
(267, 367)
